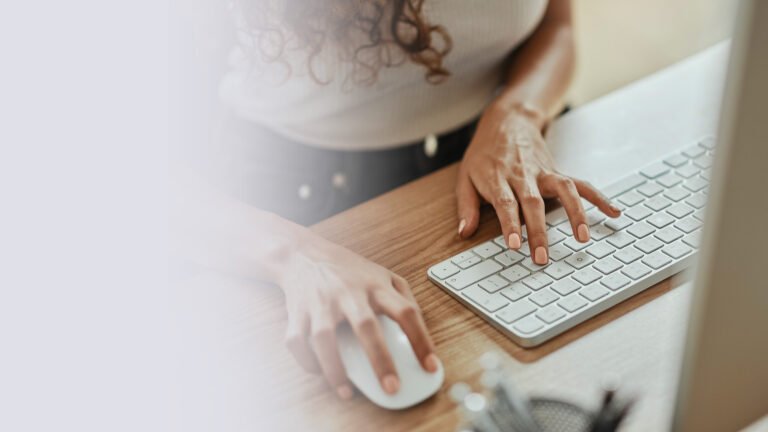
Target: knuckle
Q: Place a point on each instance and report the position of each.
(530, 200)
(365, 323)
(408, 312)
(504, 201)
(321, 333)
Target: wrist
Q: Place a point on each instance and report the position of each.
(522, 110)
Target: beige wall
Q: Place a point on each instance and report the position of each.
(619, 41)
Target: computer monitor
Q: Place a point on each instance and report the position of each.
(724, 379)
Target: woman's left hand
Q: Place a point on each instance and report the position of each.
(509, 166)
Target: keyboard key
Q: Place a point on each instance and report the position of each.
(587, 276)
(558, 270)
(565, 228)
(516, 291)
(619, 223)
(623, 185)
(473, 274)
(708, 142)
(694, 151)
(668, 235)
(576, 245)
(599, 232)
(487, 249)
(658, 203)
(638, 213)
(680, 210)
(648, 244)
(537, 281)
(509, 258)
(608, 265)
(699, 214)
(516, 310)
(543, 297)
(676, 160)
(444, 270)
(677, 193)
(688, 225)
(655, 170)
(572, 303)
(601, 249)
(556, 217)
(501, 241)
(550, 314)
(703, 161)
(528, 325)
(594, 217)
(559, 252)
(669, 180)
(525, 249)
(594, 292)
(695, 184)
(688, 171)
(631, 198)
(615, 281)
(580, 259)
(636, 270)
(660, 220)
(706, 175)
(698, 201)
(628, 255)
(554, 236)
(469, 262)
(650, 189)
(677, 250)
(493, 283)
(620, 239)
(462, 257)
(693, 239)
(656, 260)
(565, 286)
(487, 301)
(641, 230)
(532, 266)
(515, 273)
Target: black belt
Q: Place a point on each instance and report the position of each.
(307, 184)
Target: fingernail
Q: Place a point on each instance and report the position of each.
(462, 224)
(616, 209)
(344, 392)
(583, 233)
(514, 241)
(391, 384)
(431, 363)
(541, 255)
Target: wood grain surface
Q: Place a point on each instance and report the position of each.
(407, 230)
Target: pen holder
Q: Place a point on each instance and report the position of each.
(559, 416)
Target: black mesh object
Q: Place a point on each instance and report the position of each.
(558, 416)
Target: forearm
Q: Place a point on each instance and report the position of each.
(541, 70)
(216, 231)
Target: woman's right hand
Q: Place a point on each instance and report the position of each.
(325, 285)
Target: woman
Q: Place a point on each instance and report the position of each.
(336, 101)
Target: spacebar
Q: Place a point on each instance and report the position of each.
(473, 274)
(623, 185)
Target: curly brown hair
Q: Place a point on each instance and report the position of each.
(369, 34)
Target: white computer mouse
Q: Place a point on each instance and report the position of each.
(416, 384)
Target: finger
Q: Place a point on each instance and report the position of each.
(593, 195)
(468, 205)
(368, 331)
(296, 340)
(569, 197)
(498, 192)
(408, 315)
(533, 211)
(325, 346)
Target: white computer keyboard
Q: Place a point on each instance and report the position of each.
(656, 237)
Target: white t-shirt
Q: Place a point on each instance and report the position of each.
(401, 107)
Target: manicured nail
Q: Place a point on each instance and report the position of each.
(462, 224)
(541, 255)
(615, 209)
(583, 233)
(344, 392)
(514, 241)
(431, 363)
(391, 384)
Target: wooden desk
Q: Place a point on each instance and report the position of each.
(414, 226)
